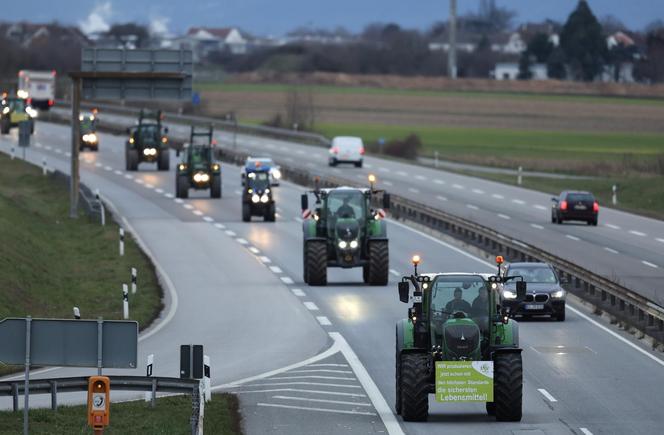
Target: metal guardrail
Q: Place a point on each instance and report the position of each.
(152, 385)
(89, 202)
(618, 301)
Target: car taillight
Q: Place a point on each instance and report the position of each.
(362, 151)
(596, 207)
(334, 150)
(29, 101)
(563, 205)
(50, 102)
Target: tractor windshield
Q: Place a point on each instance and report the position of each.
(258, 181)
(149, 133)
(17, 104)
(466, 293)
(199, 155)
(343, 204)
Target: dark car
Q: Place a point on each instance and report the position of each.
(545, 294)
(575, 206)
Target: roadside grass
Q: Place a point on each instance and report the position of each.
(221, 86)
(170, 416)
(50, 263)
(640, 194)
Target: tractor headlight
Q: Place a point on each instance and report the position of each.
(201, 177)
(508, 294)
(255, 198)
(31, 112)
(558, 294)
(343, 244)
(5, 110)
(276, 173)
(182, 166)
(354, 244)
(131, 140)
(164, 139)
(265, 198)
(150, 151)
(90, 138)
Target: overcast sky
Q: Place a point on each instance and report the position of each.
(270, 17)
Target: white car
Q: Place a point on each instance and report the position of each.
(346, 149)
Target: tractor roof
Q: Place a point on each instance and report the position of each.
(434, 275)
(346, 188)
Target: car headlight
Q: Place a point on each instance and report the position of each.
(559, 294)
(507, 294)
(343, 244)
(354, 244)
(276, 173)
(265, 198)
(255, 198)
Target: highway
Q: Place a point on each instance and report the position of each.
(237, 289)
(626, 248)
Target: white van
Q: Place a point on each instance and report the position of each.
(346, 149)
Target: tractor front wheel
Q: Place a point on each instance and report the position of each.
(508, 386)
(182, 186)
(379, 262)
(491, 408)
(316, 262)
(414, 388)
(5, 125)
(164, 160)
(246, 212)
(397, 369)
(270, 213)
(215, 186)
(132, 160)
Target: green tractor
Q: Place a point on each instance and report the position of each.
(14, 110)
(345, 231)
(198, 169)
(88, 137)
(148, 142)
(257, 195)
(459, 344)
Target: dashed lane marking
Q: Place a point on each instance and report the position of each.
(537, 227)
(540, 207)
(287, 280)
(241, 241)
(395, 272)
(613, 227)
(159, 191)
(649, 264)
(188, 206)
(497, 196)
(168, 195)
(276, 269)
(571, 237)
(613, 251)
(413, 190)
(637, 233)
(197, 212)
(230, 233)
(208, 219)
(438, 181)
(458, 186)
(221, 227)
(441, 198)
(388, 183)
(546, 394)
(324, 321)
(478, 191)
(585, 431)
(264, 259)
(298, 292)
(504, 216)
(472, 207)
(518, 201)
(310, 306)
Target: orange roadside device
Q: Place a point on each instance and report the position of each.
(99, 402)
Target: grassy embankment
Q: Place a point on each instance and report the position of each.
(170, 416)
(50, 263)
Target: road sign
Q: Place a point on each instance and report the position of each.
(110, 73)
(24, 133)
(70, 343)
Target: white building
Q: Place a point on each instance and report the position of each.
(510, 71)
(205, 40)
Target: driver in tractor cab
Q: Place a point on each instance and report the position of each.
(345, 210)
(479, 303)
(458, 303)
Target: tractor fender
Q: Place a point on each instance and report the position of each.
(377, 229)
(309, 230)
(511, 337)
(405, 338)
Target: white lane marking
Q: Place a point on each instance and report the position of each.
(108, 168)
(336, 402)
(197, 212)
(537, 227)
(478, 191)
(139, 181)
(99, 165)
(495, 195)
(208, 219)
(377, 399)
(48, 147)
(310, 306)
(518, 201)
(276, 384)
(571, 237)
(168, 195)
(128, 177)
(457, 186)
(585, 431)
(388, 183)
(68, 154)
(613, 227)
(504, 216)
(347, 372)
(230, 233)
(222, 226)
(188, 206)
(276, 269)
(287, 280)
(237, 192)
(298, 292)
(159, 191)
(616, 335)
(383, 169)
(472, 207)
(660, 240)
(58, 151)
(402, 173)
(324, 321)
(178, 200)
(306, 408)
(637, 233)
(540, 207)
(241, 241)
(412, 189)
(547, 395)
(298, 219)
(149, 186)
(116, 171)
(296, 390)
(395, 272)
(613, 251)
(328, 365)
(441, 198)
(39, 145)
(264, 259)
(437, 181)
(649, 264)
(420, 177)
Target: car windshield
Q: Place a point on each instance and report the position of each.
(258, 180)
(346, 204)
(580, 197)
(452, 293)
(534, 274)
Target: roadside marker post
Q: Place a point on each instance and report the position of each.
(125, 301)
(614, 197)
(206, 378)
(102, 210)
(435, 153)
(519, 178)
(12, 152)
(122, 236)
(133, 281)
(77, 313)
(44, 169)
(151, 396)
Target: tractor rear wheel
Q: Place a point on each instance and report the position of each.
(491, 408)
(132, 160)
(508, 386)
(316, 262)
(5, 125)
(414, 386)
(164, 160)
(215, 186)
(246, 212)
(379, 262)
(182, 186)
(270, 213)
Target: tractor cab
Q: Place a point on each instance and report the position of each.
(257, 198)
(456, 321)
(198, 169)
(148, 141)
(347, 231)
(88, 130)
(14, 110)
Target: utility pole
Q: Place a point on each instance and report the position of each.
(451, 52)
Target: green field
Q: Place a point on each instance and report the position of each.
(169, 417)
(50, 263)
